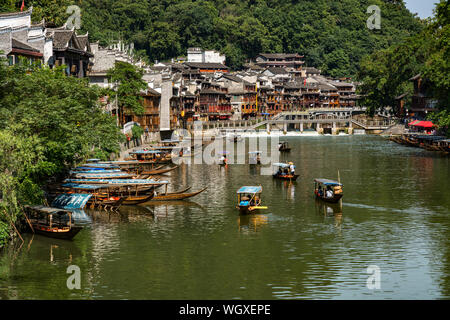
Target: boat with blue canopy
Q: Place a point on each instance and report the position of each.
(151, 156)
(52, 222)
(71, 201)
(249, 199)
(123, 182)
(104, 175)
(285, 171)
(101, 171)
(328, 190)
(101, 165)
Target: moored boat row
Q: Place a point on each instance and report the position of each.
(428, 142)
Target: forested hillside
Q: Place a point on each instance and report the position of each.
(332, 35)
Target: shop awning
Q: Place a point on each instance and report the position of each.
(424, 124)
(413, 122)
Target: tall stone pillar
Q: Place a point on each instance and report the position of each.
(164, 110)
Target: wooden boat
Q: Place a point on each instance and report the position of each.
(444, 145)
(151, 156)
(132, 200)
(106, 190)
(284, 146)
(52, 222)
(159, 171)
(328, 190)
(249, 199)
(176, 195)
(70, 201)
(283, 172)
(182, 191)
(115, 175)
(105, 202)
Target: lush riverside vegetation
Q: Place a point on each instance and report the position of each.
(129, 84)
(332, 35)
(48, 122)
(386, 73)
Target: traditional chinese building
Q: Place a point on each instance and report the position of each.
(277, 60)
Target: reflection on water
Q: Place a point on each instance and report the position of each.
(330, 210)
(252, 222)
(396, 216)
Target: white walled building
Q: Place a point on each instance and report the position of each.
(204, 56)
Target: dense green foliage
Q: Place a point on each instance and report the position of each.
(49, 122)
(332, 35)
(386, 73)
(129, 84)
(53, 11)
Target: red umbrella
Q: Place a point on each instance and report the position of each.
(424, 124)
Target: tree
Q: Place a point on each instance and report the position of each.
(386, 73)
(129, 85)
(324, 31)
(49, 123)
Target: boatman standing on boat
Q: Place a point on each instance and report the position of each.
(292, 168)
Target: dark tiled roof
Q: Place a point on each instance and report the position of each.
(342, 84)
(325, 86)
(153, 92)
(311, 70)
(280, 55)
(294, 85)
(232, 78)
(61, 38)
(277, 70)
(83, 42)
(20, 45)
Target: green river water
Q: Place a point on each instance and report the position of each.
(395, 214)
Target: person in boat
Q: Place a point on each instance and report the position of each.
(329, 192)
(319, 191)
(257, 200)
(286, 172)
(292, 168)
(258, 158)
(279, 172)
(280, 145)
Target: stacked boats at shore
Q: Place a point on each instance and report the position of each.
(428, 142)
(111, 184)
